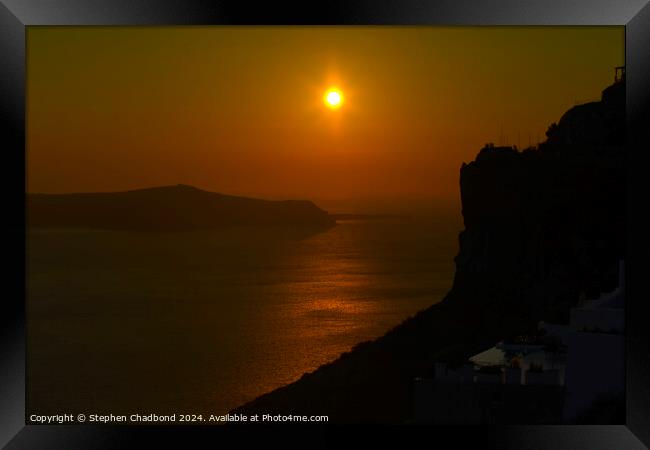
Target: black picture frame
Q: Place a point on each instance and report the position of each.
(16, 15)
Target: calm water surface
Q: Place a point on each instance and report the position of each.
(124, 322)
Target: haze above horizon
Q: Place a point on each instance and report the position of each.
(239, 110)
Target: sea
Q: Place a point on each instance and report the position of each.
(201, 322)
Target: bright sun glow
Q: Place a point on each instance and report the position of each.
(333, 98)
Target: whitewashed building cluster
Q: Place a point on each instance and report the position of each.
(551, 378)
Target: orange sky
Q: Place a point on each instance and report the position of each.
(239, 110)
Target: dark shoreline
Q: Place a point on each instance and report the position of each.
(352, 216)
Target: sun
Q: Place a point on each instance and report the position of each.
(333, 98)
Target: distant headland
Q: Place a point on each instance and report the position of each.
(168, 208)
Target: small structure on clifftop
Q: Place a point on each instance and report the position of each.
(619, 74)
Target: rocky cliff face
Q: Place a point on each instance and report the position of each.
(545, 224)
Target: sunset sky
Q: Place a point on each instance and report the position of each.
(240, 110)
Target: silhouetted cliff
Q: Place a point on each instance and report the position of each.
(168, 208)
(541, 226)
(544, 224)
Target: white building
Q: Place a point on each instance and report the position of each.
(595, 368)
(560, 381)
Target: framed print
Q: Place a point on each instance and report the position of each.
(240, 221)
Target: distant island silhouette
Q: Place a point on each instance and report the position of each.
(168, 208)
